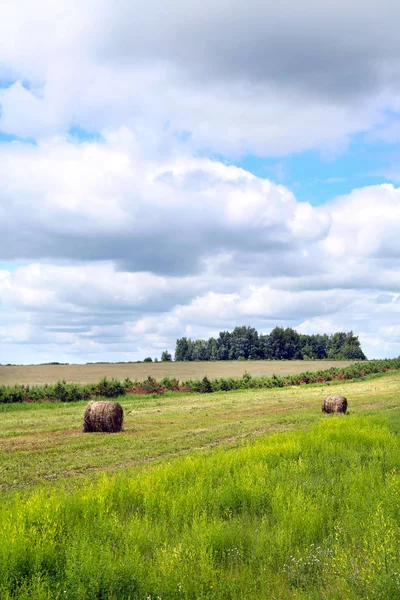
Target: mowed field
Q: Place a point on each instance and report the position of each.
(44, 442)
(224, 496)
(39, 374)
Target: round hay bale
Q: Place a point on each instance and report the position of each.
(106, 417)
(333, 403)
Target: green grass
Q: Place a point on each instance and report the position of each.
(44, 442)
(194, 500)
(298, 515)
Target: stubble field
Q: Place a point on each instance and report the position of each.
(40, 374)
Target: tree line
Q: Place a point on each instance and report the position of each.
(245, 343)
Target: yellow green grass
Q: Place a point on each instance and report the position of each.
(45, 441)
(196, 500)
(40, 374)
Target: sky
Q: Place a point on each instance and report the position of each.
(174, 169)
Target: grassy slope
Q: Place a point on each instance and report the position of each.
(312, 513)
(301, 515)
(46, 441)
(40, 374)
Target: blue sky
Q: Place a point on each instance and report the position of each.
(317, 179)
(165, 174)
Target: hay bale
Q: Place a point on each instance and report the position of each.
(333, 403)
(103, 416)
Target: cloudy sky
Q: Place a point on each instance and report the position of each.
(179, 168)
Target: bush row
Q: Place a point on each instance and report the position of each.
(62, 391)
(247, 381)
(112, 388)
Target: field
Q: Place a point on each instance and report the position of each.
(39, 374)
(238, 495)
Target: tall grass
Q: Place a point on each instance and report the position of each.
(301, 515)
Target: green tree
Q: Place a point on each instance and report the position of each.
(182, 349)
(263, 347)
(200, 350)
(212, 349)
(292, 345)
(345, 346)
(244, 343)
(166, 356)
(223, 345)
(319, 344)
(276, 343)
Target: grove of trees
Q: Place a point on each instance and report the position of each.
(246, 343)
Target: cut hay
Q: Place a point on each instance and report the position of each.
(333, 403)
(106, 417)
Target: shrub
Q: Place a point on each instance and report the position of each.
(170, 384)
(224, 385)
(60, 391)
(73, 392)
(127, 383)
(193, 385)
(205, 386)
(110, 388)
(151, 386)
(12, 394)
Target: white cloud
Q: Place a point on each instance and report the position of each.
(366, 223)
(94, 312)
(133, 240)
(232, 77)
(317, 325)
(128, 254)
(97, 201)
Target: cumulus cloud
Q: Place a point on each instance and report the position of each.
(127, 253)
(93, 311)
(101, 201)
(232, 77)
(123, 242)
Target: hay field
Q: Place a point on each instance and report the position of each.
(196, 500)
(44, 441)
(39, 374)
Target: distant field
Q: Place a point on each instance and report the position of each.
(38, 374)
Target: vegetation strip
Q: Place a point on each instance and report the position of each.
(72, 392)
(298, 515)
